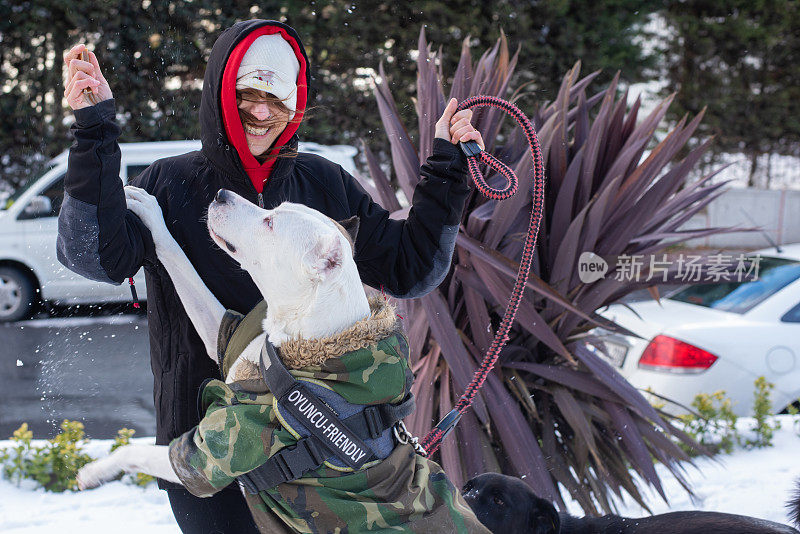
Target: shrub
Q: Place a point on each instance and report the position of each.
(714, 424)
(124, 436)
(764, 426)
(55, 464)
(15, 460)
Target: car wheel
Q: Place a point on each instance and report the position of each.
(17, 294)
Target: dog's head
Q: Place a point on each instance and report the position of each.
(288, 250)
(506, 504)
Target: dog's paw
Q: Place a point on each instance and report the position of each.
(146, 207)
(96, 474)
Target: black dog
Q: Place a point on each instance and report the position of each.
(506, 505)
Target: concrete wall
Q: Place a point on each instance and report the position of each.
(777, 212)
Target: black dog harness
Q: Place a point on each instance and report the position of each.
(327, 436)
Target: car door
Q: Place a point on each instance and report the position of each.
(789, 355)
(777, 329)
(59, 284)
(38, 235)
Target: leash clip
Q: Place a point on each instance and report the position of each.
(471, 148)
(403, 436)
(449, 422)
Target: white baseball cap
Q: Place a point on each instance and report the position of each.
(270, 65)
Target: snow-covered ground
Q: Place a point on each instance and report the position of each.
(116, 507)
(755, 483)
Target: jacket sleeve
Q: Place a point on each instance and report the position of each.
(409, 258)
(98, 237)
(232, 439)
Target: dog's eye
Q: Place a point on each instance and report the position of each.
(498, 501)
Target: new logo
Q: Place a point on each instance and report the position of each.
(591, 267)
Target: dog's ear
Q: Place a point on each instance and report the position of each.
(325, 258)
(544, 518)
(351, 227)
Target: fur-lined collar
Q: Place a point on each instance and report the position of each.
(299, 353)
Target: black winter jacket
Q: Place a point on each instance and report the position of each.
(99, 239)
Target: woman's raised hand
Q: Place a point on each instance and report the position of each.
(456, 127)
(81, 75)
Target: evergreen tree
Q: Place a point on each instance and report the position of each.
(33, 35)
(739, 58)
(154, 53)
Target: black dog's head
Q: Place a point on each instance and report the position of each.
(507, 505)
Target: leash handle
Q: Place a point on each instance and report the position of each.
(474, 154)
(470, 148)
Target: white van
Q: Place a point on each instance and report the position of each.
(29, 270)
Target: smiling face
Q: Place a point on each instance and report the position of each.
(287, 251)
(263, 116)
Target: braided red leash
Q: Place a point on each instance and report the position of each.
(434, 438)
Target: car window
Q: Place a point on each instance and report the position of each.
(739, 297)
(29, 182)
(55, 192)
(792, 316)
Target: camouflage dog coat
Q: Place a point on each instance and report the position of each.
(243, 427)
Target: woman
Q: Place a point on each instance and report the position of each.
(255, 92)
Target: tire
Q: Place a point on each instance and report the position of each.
(17, 295)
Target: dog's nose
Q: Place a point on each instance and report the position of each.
(221, 196)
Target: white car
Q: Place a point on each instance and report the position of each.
(721, 336)
(29, 269)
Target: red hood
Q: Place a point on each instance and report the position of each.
(258, 172)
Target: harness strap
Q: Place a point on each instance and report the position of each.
(376, 419)
(314, 414)
(289, 463)
(330, 435)
(277, 377)
(308, 454)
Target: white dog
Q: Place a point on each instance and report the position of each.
(302, 263)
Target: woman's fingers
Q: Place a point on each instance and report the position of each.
(76, 98)
(443, 124)
(461, 115)
(449, 110)
(458, 133)
(74, 91)
(456, 121)
(83, 83)
(463, 123)
(96, 65)
(78, 65)
(474, 135)
(137, 206)
(457, 126)
(80, 76)
(74, 52)
(78, 70)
